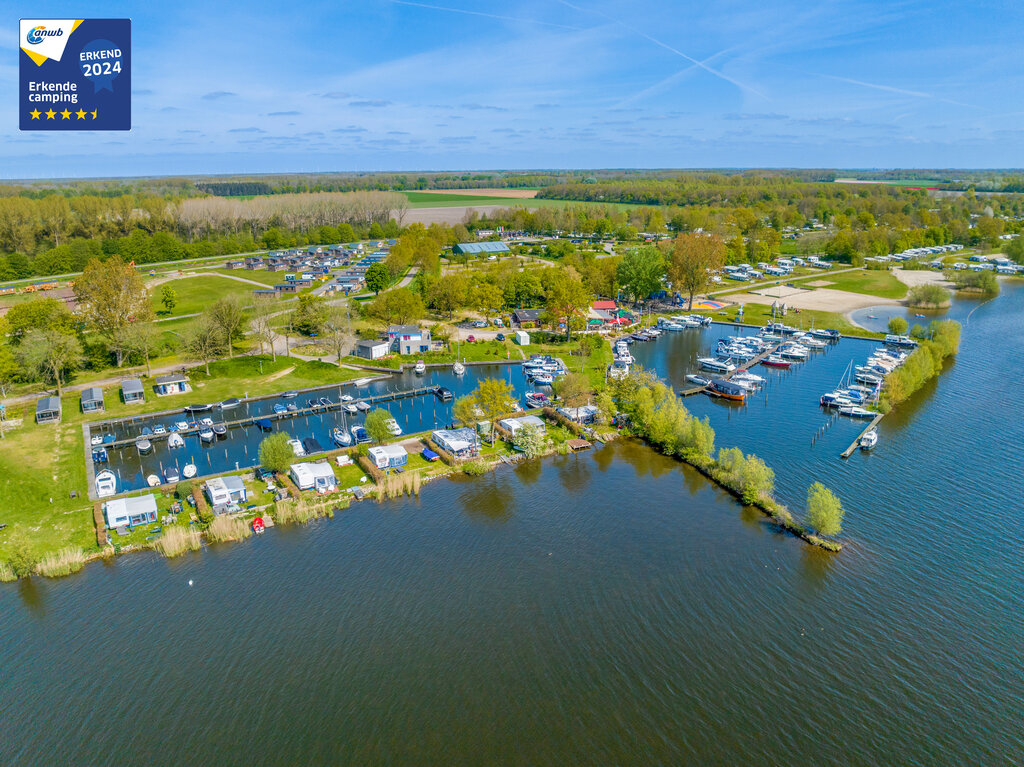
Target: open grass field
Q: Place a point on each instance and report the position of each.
(196, 293)
(270, 279)
(875, 282)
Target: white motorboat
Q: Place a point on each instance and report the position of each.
(699, 380)
(855, 411)
(346, 398)
(341, 437)
(362, 381)
(458, 368)
(106, 484)
(153, 480)
(543, 378)
(393, 427)
(97, 439)
(175, 440)
(420, 368)
(206, 435)
(297, 448)
(171, 474)
(747, 375)
(350, 408)
(716, 365)
(189, 471)
(206, 422)
(143, 445)
(793, 352)
(868, 440)
(181, 425)
(362, 406)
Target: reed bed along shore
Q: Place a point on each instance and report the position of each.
(225, 528)
(397, 485)
(306, 509)
(176, 540)
(57, 564)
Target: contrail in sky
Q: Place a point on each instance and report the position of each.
(667, 47)
(901, 91)
(485, 15)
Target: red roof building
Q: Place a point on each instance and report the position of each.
(608, 306)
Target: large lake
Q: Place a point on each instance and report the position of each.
(604, 608)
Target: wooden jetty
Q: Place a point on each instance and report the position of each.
(856, 443)
(250, 420)
(739, 368)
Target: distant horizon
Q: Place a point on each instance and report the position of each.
(524, 170)
(403, 85)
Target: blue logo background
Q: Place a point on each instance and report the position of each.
(103, 96)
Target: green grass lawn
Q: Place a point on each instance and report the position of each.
(270, 279)
(761, 314)
(197, 292)
(873, 282)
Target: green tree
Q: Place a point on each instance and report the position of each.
(139, 338)
(395, 307)
(275, 452)
(309, 317)
(111, 294)
(39, 314)
(377, 277)
(337, 331)
(376, 425)
(530, 440)
(228, 315)
(448, 293)
(566, 300)
(465, 410)
(205, 342)
(169, 298)
(824, 511)
(494, 397)
(50, 354)
(694, 257)
(898, 326)
(574, 389)
(8, 369)
(641, 272)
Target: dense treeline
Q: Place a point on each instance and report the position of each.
(55, 234)
(923, 364)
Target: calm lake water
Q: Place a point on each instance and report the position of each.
(604, 608)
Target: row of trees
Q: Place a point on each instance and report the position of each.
(656, 413)
(927, 361)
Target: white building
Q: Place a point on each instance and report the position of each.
(389, 456)
(222, 491)
(128, 512)
(307, 476)
(512, 425)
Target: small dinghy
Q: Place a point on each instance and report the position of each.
(189, 471)
(153, 480)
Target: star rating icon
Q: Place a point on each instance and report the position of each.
(50, 114)
(65, 115)
(80, 114)
(35, 114)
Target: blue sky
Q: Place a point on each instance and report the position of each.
(473, 84)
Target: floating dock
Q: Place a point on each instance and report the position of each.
(856, 443)
(250, 420)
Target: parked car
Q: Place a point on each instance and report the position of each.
(471, 339)
(500, 336)
(480, 324)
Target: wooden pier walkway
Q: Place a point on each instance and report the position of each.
(739, 368)
(250, 420)
(856, 443)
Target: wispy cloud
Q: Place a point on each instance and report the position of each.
(667, 47)
(518, 20)
(216, 95)
(289, 113)
(250, 129)
(370, 103)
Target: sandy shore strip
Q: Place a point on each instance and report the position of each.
(822, 299)
(916, 277)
